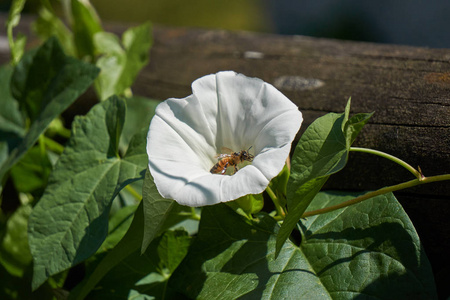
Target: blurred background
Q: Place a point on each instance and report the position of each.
(408, 22)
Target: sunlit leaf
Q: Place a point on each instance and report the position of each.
(248, 204)
(85, 24)
(371, 249)
(354, 125)
(70, 221)
(322, 151)
(48, 25)
(121, 62)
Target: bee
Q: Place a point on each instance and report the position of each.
(230, 160)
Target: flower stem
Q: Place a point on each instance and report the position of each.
(381, 191)
(397, 160)
(190, 215)
(276, 202)
(194, 215)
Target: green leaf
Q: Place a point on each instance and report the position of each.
(31, 173)
(48, 25)
(121, 63)
(128, 244)
(172, 248)
(248, 204)
(118, 226)
(354, 125)
(366, 249)
(279, 185)
(14, 252)
(85, 180)
(45, 83)
(140, 111)
(85, 24)
(147, 274)
(140, 229)
(157, 210)
(137, 42)
(321, 151)
(11, 122)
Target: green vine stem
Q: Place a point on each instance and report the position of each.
(397, 160)
(133, 192)
(190, 215)
(381, 191)
(276, 202)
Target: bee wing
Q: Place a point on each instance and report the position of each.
(221, 156)
(226, 150)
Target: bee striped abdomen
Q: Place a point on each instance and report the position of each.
(221, 166)
(233, 159)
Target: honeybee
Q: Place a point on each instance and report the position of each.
(230, 160)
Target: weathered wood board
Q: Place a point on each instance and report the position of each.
(408, 88)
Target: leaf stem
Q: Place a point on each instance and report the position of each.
(381, 191)
(397, 160)
(133, 192)
(64, 132)
(276, 202)
(51, 144)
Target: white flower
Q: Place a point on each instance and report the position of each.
(225, 110)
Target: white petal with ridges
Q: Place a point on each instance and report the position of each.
(225, 110)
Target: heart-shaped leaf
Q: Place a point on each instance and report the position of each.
(69, 223)
(157, 211)
(322, 151)
(367, 250)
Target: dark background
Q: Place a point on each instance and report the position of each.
(406, 22)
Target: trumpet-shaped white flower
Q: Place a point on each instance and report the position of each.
(225, 110)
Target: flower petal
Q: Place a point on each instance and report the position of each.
(225, 110)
